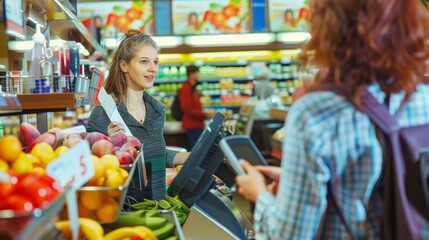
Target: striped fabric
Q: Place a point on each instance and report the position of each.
(322, 128)
(151, 134)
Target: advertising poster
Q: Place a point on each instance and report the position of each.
(289, 15)
(210, 17)
(112, 19)
(14, 18)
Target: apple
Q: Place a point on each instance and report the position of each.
(124, 157)
(47, 137)
(127, 147)
(94, 137)
(135, 142)
(102, 147)
(118, 139)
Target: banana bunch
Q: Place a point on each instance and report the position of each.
(150, 219)
(90, 229)
(172, 203)
(128, 232)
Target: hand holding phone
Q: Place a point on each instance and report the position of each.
(238, 147)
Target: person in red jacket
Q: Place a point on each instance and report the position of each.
(193, 115)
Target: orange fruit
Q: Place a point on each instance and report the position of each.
(4, 166)
(43, 152)
(113, 178)
(111, 161)
(109, 211)
(60, 151)
(10, 148)
(91, 199)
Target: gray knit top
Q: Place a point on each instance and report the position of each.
(151, 135)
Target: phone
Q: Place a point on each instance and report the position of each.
(237, 147)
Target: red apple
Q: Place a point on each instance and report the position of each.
(124, 157)
(127, 147)
(94, 137)
(102, 147)
(135, 142)
(118, 139)
(47, 137)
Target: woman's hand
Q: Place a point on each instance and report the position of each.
(114, 128)
(252, 184)
(181, 158)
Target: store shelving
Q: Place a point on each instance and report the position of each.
(61, 18)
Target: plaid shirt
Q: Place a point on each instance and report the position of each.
(321, 128)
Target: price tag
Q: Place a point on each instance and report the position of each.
(75, 129)
(75, 167)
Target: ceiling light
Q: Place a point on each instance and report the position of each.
(162, 42)
(293, 37)
(230, 39)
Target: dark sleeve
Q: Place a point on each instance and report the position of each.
(188, 106)
(98, 121)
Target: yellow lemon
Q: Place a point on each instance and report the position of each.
(123, 173)
(60, 151)
(44, 152)
(111, 161)
(33, 159)
(39, 170)
(99, 168)
(22, 164)
(113, 178)
(4, 166)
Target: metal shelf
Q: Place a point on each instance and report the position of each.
(64, 23)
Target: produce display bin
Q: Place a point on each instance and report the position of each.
(36, 225)
(110, 195)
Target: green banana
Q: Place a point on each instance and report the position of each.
(137, 213)
(164, 204)
(152, 213)
(143, 205)
(124, 220)
(165, 231)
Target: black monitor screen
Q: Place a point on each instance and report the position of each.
(196, 176)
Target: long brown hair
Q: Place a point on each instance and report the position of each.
(359, 42)
(133, 40)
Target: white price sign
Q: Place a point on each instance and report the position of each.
(74, 167)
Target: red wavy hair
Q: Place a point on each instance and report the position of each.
(359, 42)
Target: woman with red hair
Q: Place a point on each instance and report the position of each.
(380, 46)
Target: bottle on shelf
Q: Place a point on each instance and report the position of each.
(40, 67)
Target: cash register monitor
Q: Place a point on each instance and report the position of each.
(196, 176)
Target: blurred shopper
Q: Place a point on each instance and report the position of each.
(132, 70)
(380, 45)
(189, 98)
(262, 87)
